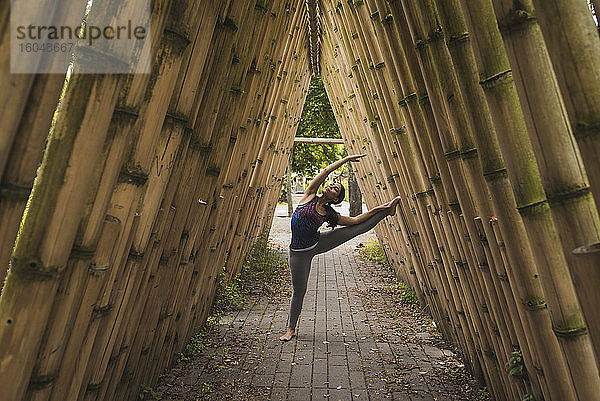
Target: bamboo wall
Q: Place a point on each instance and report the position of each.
(483, 116)
(149, 187)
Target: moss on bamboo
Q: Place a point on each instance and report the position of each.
(51, 174)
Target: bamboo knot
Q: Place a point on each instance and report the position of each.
(375, 15)
(179, 39)
(533, 208)
(455, 207)
(564, 197)
(82, 252)
(423, 99)
(516, 20)
(237, 90)
(570, 332)
(42, 381)
(587, 249)
(230, 24)
(420, 44)
(213, 171)
(14, 192)
(421, 194)
(455, 40)
(436, 35)
(178, 119)
(135, 176)
(495, 174)
(410, 97)
(534, 303)
(100, 311)
(583, 130)
(98, 270)
(489, 353)
(262, 7)
(31, 269)
(502, 78)
(125, 112)
(468, 153)
(164, 259)
(401, 130)
(135, 256)
(452, 155)
(388, 19)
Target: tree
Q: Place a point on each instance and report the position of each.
(317, 121)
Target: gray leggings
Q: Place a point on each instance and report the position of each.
(300, 261)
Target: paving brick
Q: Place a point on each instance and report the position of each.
(299, 394)
(301, 375)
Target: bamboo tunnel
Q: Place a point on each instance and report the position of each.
(124, 199)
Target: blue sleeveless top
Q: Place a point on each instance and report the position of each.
(306, 222)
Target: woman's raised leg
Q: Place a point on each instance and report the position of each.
(334, 238)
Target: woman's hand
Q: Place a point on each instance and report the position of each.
(354, 158)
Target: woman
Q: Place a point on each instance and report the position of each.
(307, 242)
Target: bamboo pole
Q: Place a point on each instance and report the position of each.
(575, 53)
(571, 205)
(55, 206)
(517, 153)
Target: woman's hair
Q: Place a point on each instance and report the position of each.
(332, 216)
(341, 195)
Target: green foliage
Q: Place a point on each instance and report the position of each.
(317, 121)
(195, 346)
(147, 393)
(263, 270)
(372, 250)
(402, 293)
(515, 365)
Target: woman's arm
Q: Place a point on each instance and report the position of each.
(314, 185)
(351, 221)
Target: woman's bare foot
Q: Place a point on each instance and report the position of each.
(289, 334)
(391, 205)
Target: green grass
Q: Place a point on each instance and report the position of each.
(402, 293)
(372, 250)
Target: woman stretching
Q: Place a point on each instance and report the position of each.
(307, 242)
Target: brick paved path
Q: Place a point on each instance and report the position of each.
(354, 343)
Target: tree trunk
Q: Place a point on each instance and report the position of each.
(288, 186)
(354, 194)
